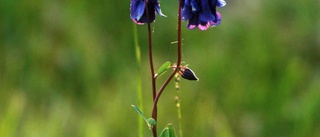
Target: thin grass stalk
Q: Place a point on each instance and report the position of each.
(139, 83)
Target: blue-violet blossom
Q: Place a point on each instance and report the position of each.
(201, 13)
(138, 11)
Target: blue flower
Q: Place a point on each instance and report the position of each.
(201, 13)
(138, 11)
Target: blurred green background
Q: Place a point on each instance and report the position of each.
(68, 68)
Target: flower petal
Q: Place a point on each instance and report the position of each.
(193, 22)
(194, 6)
(144, 18)
(221, 3)
(136, 9)
(206, 13)
(204, 25)
(217, 22)
(157, 7)
(186, 13)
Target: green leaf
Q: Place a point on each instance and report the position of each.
(163, 68)
(152, 122)
(138, 110)
(168, 131)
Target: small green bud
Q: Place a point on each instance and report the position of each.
(151, 122)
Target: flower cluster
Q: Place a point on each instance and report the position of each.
(138, 11)
(201, 13)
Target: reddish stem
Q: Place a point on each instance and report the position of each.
(153, 79)
(154, 107)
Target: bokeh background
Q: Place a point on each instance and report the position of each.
(68, 68)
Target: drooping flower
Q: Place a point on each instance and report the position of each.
(201, 13)
(138, 12)
(187, 73)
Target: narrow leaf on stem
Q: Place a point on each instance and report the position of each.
(163, 68)
(150, 121)
(139, 112)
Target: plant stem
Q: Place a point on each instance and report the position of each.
(139, 88)
(154, 128)
(153, 79)
(178, 105)
(151, 61)
(154, 108)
